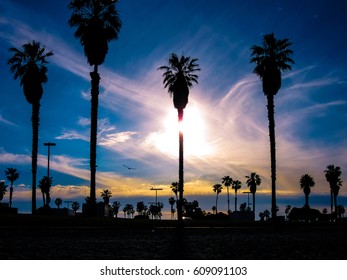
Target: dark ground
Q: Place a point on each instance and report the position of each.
(27, 237)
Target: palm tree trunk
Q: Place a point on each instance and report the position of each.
(271, 117)
(216, 203)
(35, 120)
(253, 206)
(235, 201)
(228, 200)
(331, 200)
(181, 180)
(335, 202)
(95, 79)
(11, 193)
(306, 200)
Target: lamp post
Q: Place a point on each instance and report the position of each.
(49, 145)
(156, 194)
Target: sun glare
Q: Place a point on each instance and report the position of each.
(193, 128)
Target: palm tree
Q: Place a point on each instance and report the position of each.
(45, 185)
(227, 181)
(271, 58)
(115, 206)
(172, 202)
(179, 77)
(236, 185)
(97, 23)
(58, 201)
(2, 189)
(306, 182)
(217, 188)
(332, 174)
(11, 175)
(75, 206)
(106, 195)
(252, 182)
(29, 65)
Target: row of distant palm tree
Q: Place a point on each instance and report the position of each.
(252, 182)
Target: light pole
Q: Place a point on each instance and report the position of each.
(49, 145)
(156, 194)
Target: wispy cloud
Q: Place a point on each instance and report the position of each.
(7, 122)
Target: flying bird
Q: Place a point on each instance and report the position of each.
(130, 168)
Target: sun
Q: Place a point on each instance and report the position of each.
(194, 131)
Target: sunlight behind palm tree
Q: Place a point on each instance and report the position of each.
(194, 129)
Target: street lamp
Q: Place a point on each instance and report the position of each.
(49, 145)
(156, 194)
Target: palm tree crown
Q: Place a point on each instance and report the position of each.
(97, 23)
(253, 181)
(271, 58)
(179, 77)
(29, 65)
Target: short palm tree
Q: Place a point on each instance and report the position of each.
(252, 182)
(115, 206)
(29, 64)
(2, 190)
(97, 23)
(58, 201)
(236, 185)
(306, 183)
(172, 202)
(11, 175)
(332, 175)
(217, 188)
(45, 185)
(227, 181)
(272, 57)
(179, 77)
(75, 206)
(106, 195)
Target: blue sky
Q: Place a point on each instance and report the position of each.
(226, 118)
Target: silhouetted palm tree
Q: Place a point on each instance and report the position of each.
(58, 201)
(106, 195)
(227, 181)
(332, 174)
(306, 182)
(97, 23)
(236, 185)
(115, 206)
(252, 182)
(172, 202)
(272, 57)
(11, 175)
(2, 190)
(75, 206)
(29, 65)
(45, 185)
(179, 77)
(217, 188)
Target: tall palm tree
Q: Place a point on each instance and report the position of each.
(306, 183)
(332, 175)
(252, 182)
(272, 57)
(11, 175)
(97, 23)
(29, 64)
(227, 181)
(236, 185)
(179, 77)
(217, 188)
